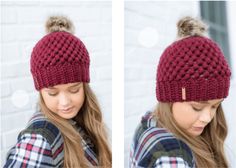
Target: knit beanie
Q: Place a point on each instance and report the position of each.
(193, 68)
(59, 57)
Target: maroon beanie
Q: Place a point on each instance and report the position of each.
(192, 69)
(59, 58)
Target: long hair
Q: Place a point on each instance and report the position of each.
(90, 119)
(208, 148)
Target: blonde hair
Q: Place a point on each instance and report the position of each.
(90, 119)
(208, 148)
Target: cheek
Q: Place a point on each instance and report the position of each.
(50, 102)
(184, 116)
(78, 99)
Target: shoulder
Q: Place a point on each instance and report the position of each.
(152, 143)
(41, 144)
(39, 124)
(148, 131)
(167, 149)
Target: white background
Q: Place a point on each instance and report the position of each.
(149, 28)
(22, 25)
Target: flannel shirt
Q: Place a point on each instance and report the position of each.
(40, 145)
(157, 148)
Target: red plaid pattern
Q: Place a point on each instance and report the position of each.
(31, 150)
(40, 145)
(171, 162)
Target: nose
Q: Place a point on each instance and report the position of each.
(64, 100)
(205, 116)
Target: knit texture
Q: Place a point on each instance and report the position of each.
(59, 58)
(192, 69)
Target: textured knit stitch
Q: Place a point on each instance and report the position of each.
(196, 64)
(156, 147)
(59, 58)
(41, 145)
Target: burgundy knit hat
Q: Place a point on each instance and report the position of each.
(193, 68)
(59, 57)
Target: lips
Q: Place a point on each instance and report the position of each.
(198, 128)
(66, 110)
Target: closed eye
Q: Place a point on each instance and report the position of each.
(75, 90)
(200, 109)
(52, 94)
(196, 109)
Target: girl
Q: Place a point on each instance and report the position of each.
(68, 129)
(188, 127)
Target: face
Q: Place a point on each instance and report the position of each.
(65, 100)
(194, 116)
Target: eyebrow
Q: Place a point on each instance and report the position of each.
(77, 84)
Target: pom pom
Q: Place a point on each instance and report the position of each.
(189, 26)
(59, 23)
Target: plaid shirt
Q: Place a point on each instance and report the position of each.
(40, 145)
(156, 147)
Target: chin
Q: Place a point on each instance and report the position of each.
(67, 115)
(195, 134)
